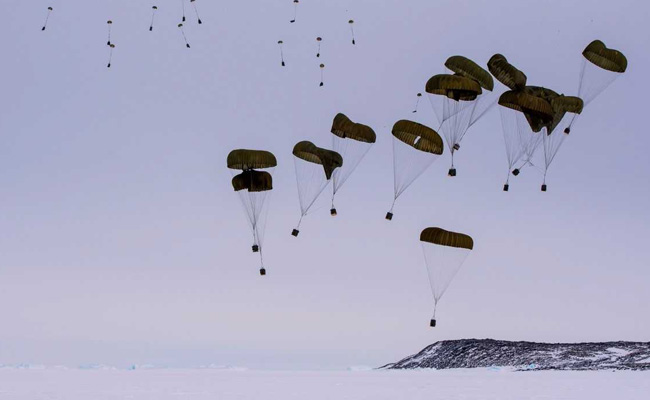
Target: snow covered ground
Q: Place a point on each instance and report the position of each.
(163, 384)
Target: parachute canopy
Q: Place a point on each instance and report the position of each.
(344, 128)
(469, 69)
(418, 136)
(609, 59)
(538, 111)
(446, 238)
(506, 73)
(455, 87)
(251, 159)
(253, 181)
(569, 104)
(330, 160)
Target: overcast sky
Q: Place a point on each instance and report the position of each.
(122, 242)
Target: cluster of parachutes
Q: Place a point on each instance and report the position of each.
(532, 117)
(535, 116)
(154, 9)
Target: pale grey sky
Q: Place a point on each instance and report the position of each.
(122, 242)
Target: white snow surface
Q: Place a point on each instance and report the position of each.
(199, 384)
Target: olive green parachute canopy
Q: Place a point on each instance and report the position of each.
(609, 59)
(455, 87)
(447, 238)
(562, 105)
(537, 110)
(542, 92)
(330, 160)
(253, 181)
(344, 128)
(506, 73)
(571, 104)
(469, 69)
(251, 159)
(418, 136)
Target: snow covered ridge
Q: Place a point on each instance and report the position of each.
(484, 353)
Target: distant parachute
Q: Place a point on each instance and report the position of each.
(254, 188)
(196, 11)
(187, 44)
(110, 54)
(280, 43)
(318, 40)
(314, 169)
(322, 68)
(352, 141)
(183, 7)
(417, 102)
(153, 16)
(453, 100)
(47, 18)
(444, 254)
(351, 22)
(295, 10)
(415, 148)
(110, 24)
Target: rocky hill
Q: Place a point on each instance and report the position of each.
(483, 353)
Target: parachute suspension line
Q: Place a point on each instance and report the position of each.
(415, 163)
(47, 17)
(110, 54)
(351, 22)
(196, 11)
(110, 24)
(295, 10)
(280, 43)
(311, 181)
(187, 44)
(417, 102)
(153, 16)
(183, 7)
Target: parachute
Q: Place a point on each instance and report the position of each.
(352, 141)
(254, 188)
(506, 73)
(183, 7)
(110, 54)
(47, 17)
(415, 148)
(351, 23)
(196, 11)
(318, 40)
(110, 25)
(460, 100)
(553, 139)
(153, 15)
(180, 26)
(601, 66)
(295, 10)
(444, 254)
(453, 100)
(322, 68)
(417, 103)
(314, 169)
(280, 43)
